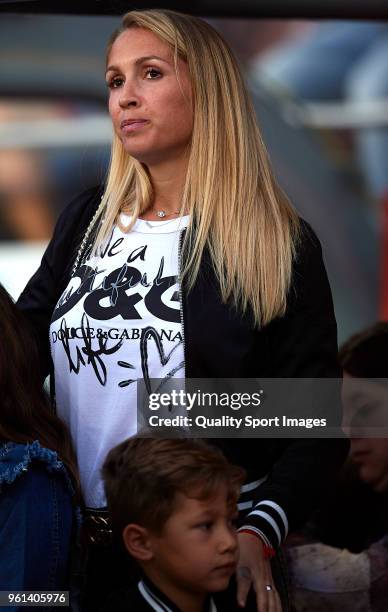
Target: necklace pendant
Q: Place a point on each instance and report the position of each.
(161, 214)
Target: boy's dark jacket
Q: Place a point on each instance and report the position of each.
(144, 596)
(219, 343)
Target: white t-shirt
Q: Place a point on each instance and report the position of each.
(99, 346)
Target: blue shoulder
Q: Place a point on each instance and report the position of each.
(15, 459)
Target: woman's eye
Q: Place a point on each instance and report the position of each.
(153, 72)
(115, 82)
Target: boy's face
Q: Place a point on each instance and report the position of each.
(197, 550)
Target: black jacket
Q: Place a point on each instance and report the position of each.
(219, 343)
(144, 596)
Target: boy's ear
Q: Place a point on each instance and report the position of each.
(137, 542)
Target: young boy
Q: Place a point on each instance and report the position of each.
(175, 503)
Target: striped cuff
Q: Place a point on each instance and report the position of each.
(269, 521)
(247, 494)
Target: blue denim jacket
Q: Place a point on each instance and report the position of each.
(38, 520)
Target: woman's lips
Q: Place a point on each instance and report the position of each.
(133, 125)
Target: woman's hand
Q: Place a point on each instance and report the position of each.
(254, 569)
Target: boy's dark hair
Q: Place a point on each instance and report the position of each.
(365, 355)
(142, 477)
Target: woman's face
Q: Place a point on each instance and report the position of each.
(366, 411)
(150, 114)
(371, 455)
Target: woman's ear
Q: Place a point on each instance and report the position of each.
(137, 542)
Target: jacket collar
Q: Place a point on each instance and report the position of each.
(159, 602)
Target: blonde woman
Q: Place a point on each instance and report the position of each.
(188, 262)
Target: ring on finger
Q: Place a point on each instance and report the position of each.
(268, 587)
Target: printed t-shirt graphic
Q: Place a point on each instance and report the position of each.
(118, 320)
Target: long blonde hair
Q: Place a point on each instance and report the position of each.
(237, 210)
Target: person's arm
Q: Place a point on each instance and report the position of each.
(302, 344)
(38, 299)
(36, 522)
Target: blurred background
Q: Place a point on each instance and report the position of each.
(320, 90)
